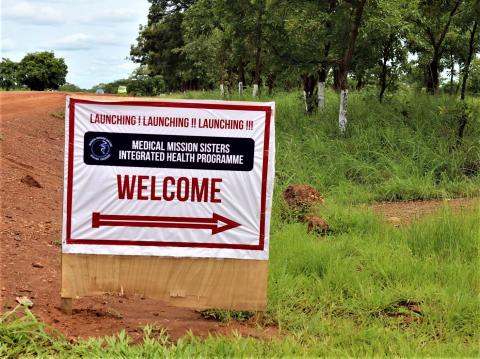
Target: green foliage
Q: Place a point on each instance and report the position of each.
(342, 286)
(41, 70)
(201, 44)
(402, 149)
(68, 87)
(140, 83)
(22, 335)
(8, 74)
(159, 43)
(226, 315)
(474, 83)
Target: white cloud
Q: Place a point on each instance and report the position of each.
(82, 41)
(33, 14)
(111, 16)
(129, 66)
(93, 36)
(7, 45)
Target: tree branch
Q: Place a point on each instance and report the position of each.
(447, 25)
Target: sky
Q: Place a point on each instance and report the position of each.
(93, 36)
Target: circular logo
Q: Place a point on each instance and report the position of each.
(100, 148)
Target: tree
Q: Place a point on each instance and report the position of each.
(159, 45)
(142, 83)
(207, 42)
(305, 33)
(68, 87)
(474, 75)
(234, 32)
(8, 74)
(41, 70)
(469, 24)
(380, 50)
(346, 58)
(433, 18)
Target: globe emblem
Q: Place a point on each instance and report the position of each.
(100, 148)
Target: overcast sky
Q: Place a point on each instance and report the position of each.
(93, 36)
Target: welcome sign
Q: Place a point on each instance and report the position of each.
(168, 178)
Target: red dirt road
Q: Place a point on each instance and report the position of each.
(32, 142)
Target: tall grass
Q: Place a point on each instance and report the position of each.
(340, 287)
(402, 149)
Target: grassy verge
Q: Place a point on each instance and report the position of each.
(366, 289)
(402, 149)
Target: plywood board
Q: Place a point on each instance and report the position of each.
(189, 282)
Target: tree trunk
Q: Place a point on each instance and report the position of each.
(270, 83)
(256, 80)
(241, 77)
(471, 48)
(241, 72)
(258, 47)
(322, 79)
(222, 89)
(360, 84)
(383, 79)
(336, 81)
(432, 76)
(308, 92)
(342, 115)
(466, 70)
(452, 70)
(344, 65)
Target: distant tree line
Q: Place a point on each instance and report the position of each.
(140, 83)
(37, 71)
(228, 45)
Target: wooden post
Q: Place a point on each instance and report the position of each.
(186, 282)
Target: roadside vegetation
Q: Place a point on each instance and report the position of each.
(405, 148)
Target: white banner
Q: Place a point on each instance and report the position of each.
(168, 178)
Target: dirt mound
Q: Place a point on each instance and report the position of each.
(316, 224)
(302, 197)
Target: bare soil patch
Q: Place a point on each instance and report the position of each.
(398, 213)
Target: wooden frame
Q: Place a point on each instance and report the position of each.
(188, 282)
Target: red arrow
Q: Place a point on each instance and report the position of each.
(216, 223)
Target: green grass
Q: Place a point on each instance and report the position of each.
(403, 149)
(344, 294)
